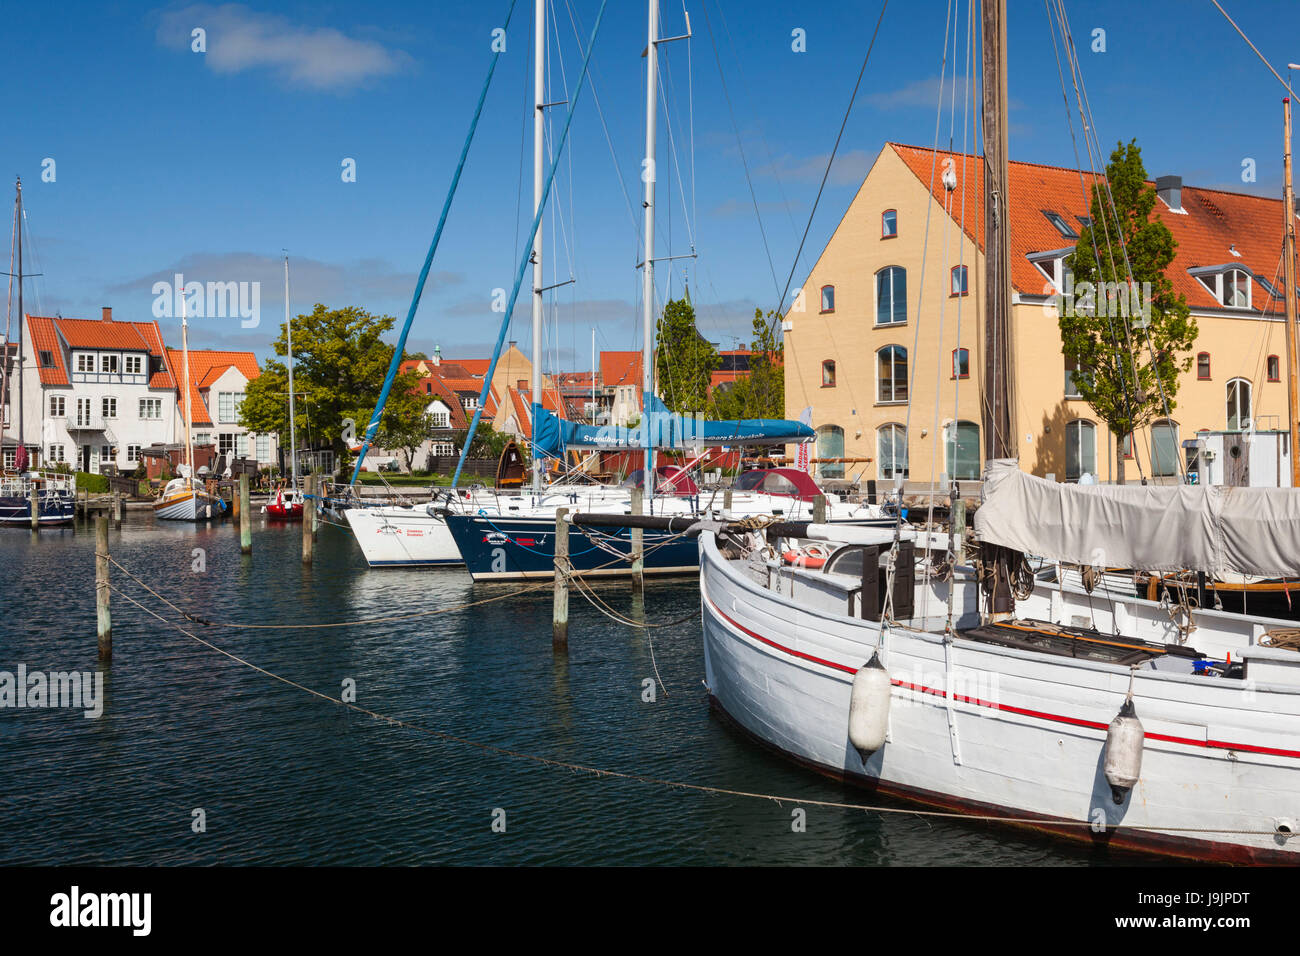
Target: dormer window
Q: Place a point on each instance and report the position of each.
(1063, 227)
(889, 224)
(1229, 285)
(47, 359)
(1085, 221)
(1052, 266)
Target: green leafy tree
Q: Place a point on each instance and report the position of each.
(761, 394)
(405, 425)
(1131, 342)
(488, 442)
(340, 360)
(684, 360)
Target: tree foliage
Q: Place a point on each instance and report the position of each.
(684, 360)
(1129, 372)
(340, 360)
(761, 394)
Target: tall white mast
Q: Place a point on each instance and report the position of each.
(288, 331)
(539, 144)
(185, 391)
(648, 277)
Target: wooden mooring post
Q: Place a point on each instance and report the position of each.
(560, 608)
(957, 525)
(35, 505)
(638, 543)
(235, 507)
(117, 509)
(245, 516)
(103, 618)
(308, 512)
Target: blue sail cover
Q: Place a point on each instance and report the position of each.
(660, 428)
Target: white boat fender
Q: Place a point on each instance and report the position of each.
(869, 707)
(1124, 751)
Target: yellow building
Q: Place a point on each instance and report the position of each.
(885, 339)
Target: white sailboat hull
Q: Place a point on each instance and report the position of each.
(1009, 734)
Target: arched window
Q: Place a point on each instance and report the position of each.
(828, 373)
(828, 298)
(889, 224)
(962, 450)
(830, 444)
(1273, 369)
(1164, 448)
(958, 280)
(891, 374)
(960, 363)
(1202, 366)
(891, 296)
(1080, 449)
(891, 457)
(1238, 404)
(1236, 289)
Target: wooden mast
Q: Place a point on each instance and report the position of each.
(1289, 293)
(998, 418)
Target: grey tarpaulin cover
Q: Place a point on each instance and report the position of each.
(1179, 527)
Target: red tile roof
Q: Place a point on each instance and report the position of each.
(1212, 221)
(620, 368)
(206, 366)
(521, 399)
(46, 339)
(98, 334)
(57, 334)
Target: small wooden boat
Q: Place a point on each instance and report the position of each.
(184, 499)
(286, 504)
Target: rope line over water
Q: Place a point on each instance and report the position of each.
(710, 790)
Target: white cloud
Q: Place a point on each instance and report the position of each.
(850, 168)
(240, 39)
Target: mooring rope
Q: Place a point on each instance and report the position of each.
(659, 781)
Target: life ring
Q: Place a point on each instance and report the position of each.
(809, 556)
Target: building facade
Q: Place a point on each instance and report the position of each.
(885, 339)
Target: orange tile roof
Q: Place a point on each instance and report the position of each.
(56, 334)
(206, 366)
(1212, 221)
(98, 334)
(620, 368)
(46, 339)
(521, 399)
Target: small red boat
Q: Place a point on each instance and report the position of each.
(285, 505)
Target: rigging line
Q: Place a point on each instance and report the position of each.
(1128, 400)
(1253, 47)
(717, 58)
(780, 304)
(1081, 90)
(672, 151)
(634, 777)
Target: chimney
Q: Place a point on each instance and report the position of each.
(108, 313)
(1170, 189)
(437, 355)
(513, 343)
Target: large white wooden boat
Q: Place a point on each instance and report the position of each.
(186, 499)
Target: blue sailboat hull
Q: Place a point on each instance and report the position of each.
(54, 509)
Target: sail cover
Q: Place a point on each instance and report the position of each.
(1208, 528)
(661, 428)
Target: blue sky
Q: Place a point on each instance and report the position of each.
(209, 164)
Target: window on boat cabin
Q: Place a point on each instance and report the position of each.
(108, 363)
(85, 362)
(263, 448)
(962, 451)
(1164, 448)
(959, 280)
(56, 453)
(830, 445)
(133, 365)
(47, 359)
(132, 454)
(108, 407)
(1080, 449)
(891, 296)
(58, 406)
(961, 363)
(225, 442)
(1238, 404)
(891, 454)
(891, 375)
(828, 298)
(1202, 366)
(151, 408)
(828, 373)
(889, 224)
(1273, 369)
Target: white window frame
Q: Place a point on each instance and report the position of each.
(108, 406)
(149, 406)
(1233, 390)
(1080, 427)
(893, 429)
(875, 293)
(133, 365)
(58, 406)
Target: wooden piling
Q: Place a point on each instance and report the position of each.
(958, 528)
(117, 509)
(819, 509)
(245, 516)
(103, 618)
(638, 543)
(308, 508)
(560, 609)
(235, 507)
(35, 504)
(314, 486)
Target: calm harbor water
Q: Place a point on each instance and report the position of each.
(287, 778)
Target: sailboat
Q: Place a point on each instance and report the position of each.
(55, 494)
(185, 498)
(286, 504)
(987, 692)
